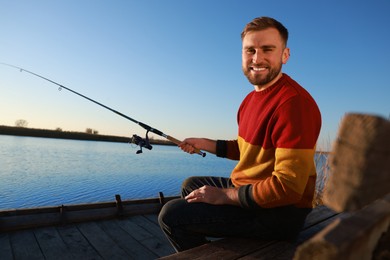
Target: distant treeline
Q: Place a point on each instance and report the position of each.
(33, 132)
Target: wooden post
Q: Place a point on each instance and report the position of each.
(161, 198)
(62, 214)
(119, 205)
(359, 163)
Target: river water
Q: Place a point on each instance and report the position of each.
(51, 172)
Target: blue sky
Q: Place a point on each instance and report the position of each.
(176, 65)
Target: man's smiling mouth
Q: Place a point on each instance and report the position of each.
(258, 69)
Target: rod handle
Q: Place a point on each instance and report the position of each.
(176, 141)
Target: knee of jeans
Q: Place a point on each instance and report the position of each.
(168, 213)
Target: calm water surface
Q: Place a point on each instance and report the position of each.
(43, 171)
(50, 172)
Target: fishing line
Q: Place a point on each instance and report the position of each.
(141, 142)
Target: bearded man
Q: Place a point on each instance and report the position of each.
(270, 191)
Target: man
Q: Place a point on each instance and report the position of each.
(270, 191)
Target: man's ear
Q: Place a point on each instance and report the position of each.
(285, 55)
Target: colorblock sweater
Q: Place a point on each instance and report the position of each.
(277, 134)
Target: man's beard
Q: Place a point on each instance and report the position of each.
(259, 80)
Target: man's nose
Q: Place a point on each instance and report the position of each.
(256, 57)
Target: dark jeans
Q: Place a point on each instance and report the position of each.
(188, 224)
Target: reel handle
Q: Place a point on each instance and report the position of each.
(176, 141)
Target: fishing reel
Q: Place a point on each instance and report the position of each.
(141, 142)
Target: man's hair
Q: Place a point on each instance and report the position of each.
(262, 23)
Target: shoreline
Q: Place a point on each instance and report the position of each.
(56, 134)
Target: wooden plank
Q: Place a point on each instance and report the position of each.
(124, 240)
(353, 237)
(55, 209)
(318, 215)
(81, 207)
(17, 219)
(150, 226)
(31, 221)
(152, 217)
(136, 231)
(102, 242)
(315, 229)
(21, 221)
(359, 162)
(130, 210)
(25, 245)
(76, 243)
(286, 249)
(227, 248)
(158, 243)
(233, 248)
(51, 243)
(236, 248)
(5, 247)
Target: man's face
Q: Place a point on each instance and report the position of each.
(263, 53)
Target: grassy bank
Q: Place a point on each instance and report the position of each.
(33, 132)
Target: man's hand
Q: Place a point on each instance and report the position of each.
(201, 143)
(215, 196)
(188, 145)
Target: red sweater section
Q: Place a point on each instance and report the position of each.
(282, 116)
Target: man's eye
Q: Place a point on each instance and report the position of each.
(250, 51)
(268, 49)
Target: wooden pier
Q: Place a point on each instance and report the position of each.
(110, 230)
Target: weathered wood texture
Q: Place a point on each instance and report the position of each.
(355, 236)
(45, 216)
(136, 237)
(359, 184)
(360, 163)
(242, 248)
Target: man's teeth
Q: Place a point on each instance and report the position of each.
(258, 69)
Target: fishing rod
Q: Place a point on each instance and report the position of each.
(141, 142)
